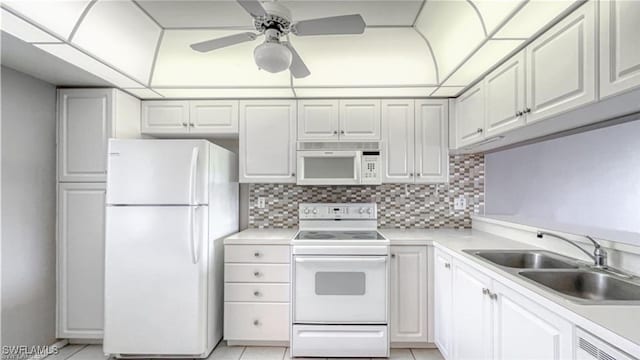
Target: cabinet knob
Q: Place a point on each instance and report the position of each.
(256, 293)
(185, 124)
(418, 174)
(293, 174)
(447, 265)
(256, 273)
(256, 322)
(256, 254)
(335, 132)
(527, 110)
(341, 132)
(519, 113)
(493, 296)
(485, 291)
(411, 174)
(479, 130)
(393, 256)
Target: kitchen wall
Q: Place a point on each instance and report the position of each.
(399, 205)
(28, 193)
(586, 183)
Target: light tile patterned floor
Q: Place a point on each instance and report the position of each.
(224, 352)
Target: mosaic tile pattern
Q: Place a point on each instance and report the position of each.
(402, 206)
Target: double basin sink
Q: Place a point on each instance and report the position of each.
(567, 277)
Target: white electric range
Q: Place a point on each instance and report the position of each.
(340, 278)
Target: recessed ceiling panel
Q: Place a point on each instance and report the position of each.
(89, 64)
(374, 12)
(489, 55)
(179, 66)
(247, 93)
(364, 92)
(197, 14)
(59, 16)
(495, 12)
(378, 58)
(535, 15)
(448, 91)
(121, 34)
(453, 29)
(21, 29)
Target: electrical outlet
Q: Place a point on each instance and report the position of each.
(460, 203)
(262, 203)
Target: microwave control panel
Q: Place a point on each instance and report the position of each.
(371, 168)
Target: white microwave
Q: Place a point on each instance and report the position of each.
(339, 163)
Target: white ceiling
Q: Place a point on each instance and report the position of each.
(410, 47)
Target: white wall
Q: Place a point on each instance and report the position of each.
(586, 183)
(28, 179)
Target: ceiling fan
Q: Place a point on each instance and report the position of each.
(274, 22)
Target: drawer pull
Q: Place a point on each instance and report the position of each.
(256, 254)
(256, 293)
(256, 322)
(256, 274)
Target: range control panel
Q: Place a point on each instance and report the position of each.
(332, 211)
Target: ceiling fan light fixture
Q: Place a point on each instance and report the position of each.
(272, 57)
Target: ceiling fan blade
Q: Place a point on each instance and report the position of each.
(253, 7)
(298, 68)
(218, 43)
(335, 25)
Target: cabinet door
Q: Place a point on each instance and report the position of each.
(619, 50)
(470, 116)
(84, 127)
(408, 294)
(80, 246)
(360, 120)
(213, 117)
(165, 117)
(505, 100)
(525, 330)
(432, 141)
(561, 66)
(398, 141)
(268, 141)
(472, 338)
(443, 302)
(318, 120)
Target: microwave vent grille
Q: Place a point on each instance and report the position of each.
(311, 145)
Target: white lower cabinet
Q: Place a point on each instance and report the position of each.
(490, 320)
(409, 294)
(256, 294)
(80, 244)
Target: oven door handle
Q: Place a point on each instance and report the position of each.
(378, 259)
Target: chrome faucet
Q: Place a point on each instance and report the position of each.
(599, 255)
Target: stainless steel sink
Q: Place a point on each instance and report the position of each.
(525, 259)
(587, 286)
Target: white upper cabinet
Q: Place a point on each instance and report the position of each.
(561, 66)
(360, 120)
(431, 141)
(470, 116)
(398, 129)
(268, 141)
(442, 302)
(80, 244)
(409, 294)
(181, 118)
(213, 117)
(505, 96)
(85, 123)
(318, 120)
(165, 117)
(619, 49)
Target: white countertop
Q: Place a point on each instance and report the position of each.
(603, 320)
(262, 237)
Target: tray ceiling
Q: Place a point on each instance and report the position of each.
(411, 48)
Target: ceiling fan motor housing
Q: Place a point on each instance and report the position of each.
(278, 18)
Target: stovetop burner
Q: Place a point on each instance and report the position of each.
(339, 235)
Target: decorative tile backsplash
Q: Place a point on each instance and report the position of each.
(399, 205)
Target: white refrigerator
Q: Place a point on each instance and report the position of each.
(169, 205)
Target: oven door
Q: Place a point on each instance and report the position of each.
(340, 289)
(329, 167)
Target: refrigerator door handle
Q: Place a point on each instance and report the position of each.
(195, 153)
(195, 250)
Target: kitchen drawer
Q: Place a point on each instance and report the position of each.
(340, 341)
(252, 273)
(256, 322)
(257, 292)
(276, 254)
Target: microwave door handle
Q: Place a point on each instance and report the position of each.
(358, 178)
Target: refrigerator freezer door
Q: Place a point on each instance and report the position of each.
(155, 296)
(157, 172)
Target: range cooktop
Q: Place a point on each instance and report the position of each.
(339, 235)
